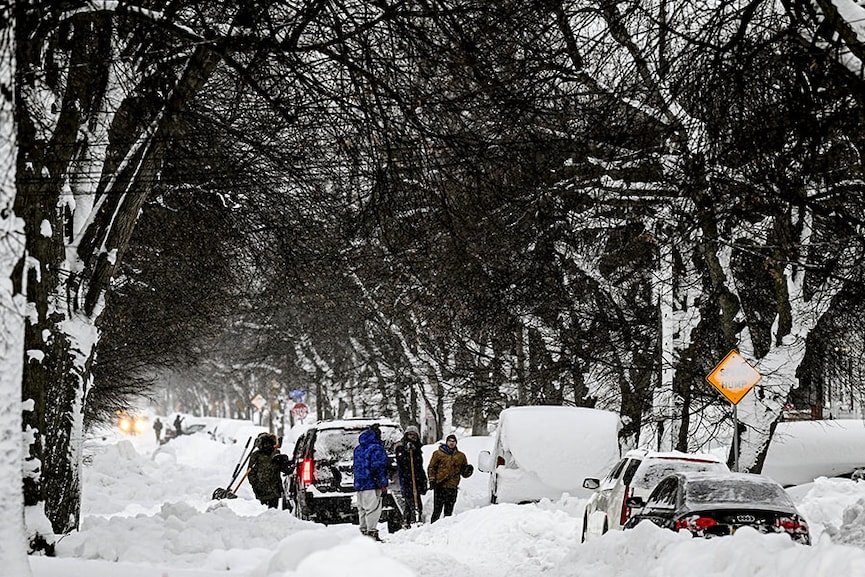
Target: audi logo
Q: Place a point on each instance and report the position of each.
(745, 518)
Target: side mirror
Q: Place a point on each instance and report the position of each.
(485, 462)
(635, 502)
(591, 483)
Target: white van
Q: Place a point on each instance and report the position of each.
(546, 451)
(801, 451)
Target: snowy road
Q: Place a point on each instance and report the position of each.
(148, 513)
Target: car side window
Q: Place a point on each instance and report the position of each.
(631, 470)
(617, 470)
(664, 495)
(298, 448)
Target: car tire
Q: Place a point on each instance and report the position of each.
(298, 510)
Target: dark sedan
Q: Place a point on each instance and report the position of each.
(716, 504)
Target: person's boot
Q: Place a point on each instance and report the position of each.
(374, 535)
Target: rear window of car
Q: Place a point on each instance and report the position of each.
(735, 491)
(653, 471)
(339, 444)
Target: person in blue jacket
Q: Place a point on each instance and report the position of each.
(370, 479)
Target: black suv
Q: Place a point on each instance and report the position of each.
(320, 486)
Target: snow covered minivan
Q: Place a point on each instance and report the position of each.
(545, 451)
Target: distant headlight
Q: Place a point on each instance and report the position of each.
(125, 424)
(140, 424)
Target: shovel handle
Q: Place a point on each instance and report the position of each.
(241, 481)
(241, 461)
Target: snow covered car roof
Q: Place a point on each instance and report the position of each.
(734, 490)
(655, 465)
(353, 423)
(647, 454)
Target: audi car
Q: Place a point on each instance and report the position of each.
(716, 504)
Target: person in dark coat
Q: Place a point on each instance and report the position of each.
(446, 467)
(412, 477)
(265, 465)
(157, 428)
(370, 479)
(178, 426)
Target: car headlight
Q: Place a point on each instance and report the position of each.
(140, 424)
(124, 425)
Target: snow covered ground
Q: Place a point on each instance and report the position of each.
(147, 513)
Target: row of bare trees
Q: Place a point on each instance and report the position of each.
(429, 208)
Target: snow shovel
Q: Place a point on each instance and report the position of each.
(416, 511)
(228, 493)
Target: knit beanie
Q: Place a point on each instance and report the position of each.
(412, 429)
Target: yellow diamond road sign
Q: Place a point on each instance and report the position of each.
(734, 377)
(258, 402)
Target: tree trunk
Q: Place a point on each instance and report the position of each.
(79, 208)
(13, 552)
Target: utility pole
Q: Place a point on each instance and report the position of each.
(664, 402)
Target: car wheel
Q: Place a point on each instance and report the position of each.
(298, 510)
(585, 527)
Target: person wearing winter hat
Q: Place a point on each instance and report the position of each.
(445, 468)
(412, 478)
(265, 465)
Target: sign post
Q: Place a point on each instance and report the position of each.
(734, 377)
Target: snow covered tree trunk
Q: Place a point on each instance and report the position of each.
(83, 175)
(13, 552)
(799, 311)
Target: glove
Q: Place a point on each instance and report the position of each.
(432, 485)
(384, 490)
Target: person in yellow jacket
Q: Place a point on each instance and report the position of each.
(447, 465)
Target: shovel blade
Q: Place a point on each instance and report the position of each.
(221, 493)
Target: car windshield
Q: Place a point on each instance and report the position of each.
(654, 471)
(737, 491)
(339, 444)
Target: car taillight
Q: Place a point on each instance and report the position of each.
(695, 523)
(626, 511)
(791, 525)
(500, 462)
(306, 470)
